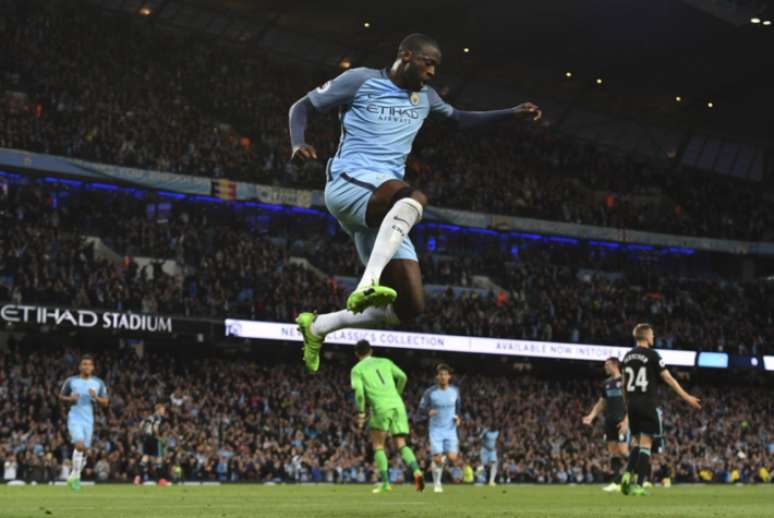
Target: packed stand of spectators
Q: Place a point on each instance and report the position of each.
(551, 303)
(534, 172)
(235, 419)
(237, 262)
(46, 258)
(189, 106)
(99, 88)
(582, 294)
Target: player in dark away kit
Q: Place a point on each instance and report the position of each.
(611, 402)
(642, 367)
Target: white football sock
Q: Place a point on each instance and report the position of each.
(331, 322)
(492, 472)
(77, 463)
(394, 228)
(437, 470)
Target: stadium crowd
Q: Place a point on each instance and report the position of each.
(242, 262)
(187, 105)
(235, 419)
(67, 103)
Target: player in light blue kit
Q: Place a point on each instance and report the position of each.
(442, 404)
(82, 391)
(489, 437)
(380, 112)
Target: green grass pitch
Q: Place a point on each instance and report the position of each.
(254, 501)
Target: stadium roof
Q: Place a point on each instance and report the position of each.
(647, 53)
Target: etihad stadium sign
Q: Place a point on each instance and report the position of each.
(85, 319)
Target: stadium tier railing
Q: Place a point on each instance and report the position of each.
(24, 161)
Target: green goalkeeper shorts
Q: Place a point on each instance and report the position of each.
(393, 420)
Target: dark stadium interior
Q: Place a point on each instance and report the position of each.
(657, 130)
(660, 46)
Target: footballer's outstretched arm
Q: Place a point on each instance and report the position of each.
(693, 401)
(472, 119)
(597, 409)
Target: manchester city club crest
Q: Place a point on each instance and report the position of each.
(414, 98)
(324, 87)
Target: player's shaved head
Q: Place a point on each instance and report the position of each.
(418, 57)
(418, 42)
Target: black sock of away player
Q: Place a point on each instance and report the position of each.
(615, 464)
(631, 467)
(643, 466)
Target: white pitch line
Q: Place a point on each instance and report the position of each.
(211, 507)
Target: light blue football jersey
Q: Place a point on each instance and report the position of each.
(83, 408)
(489, 439)
(448, 404)
(379, 120)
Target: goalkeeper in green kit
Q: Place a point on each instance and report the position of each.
(379, 382)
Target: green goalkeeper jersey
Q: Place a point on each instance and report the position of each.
(379, 382)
